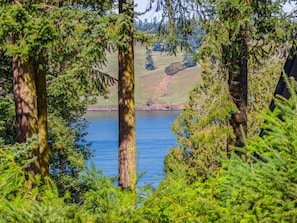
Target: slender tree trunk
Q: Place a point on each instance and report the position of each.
(127, 148)
(40, 80)
(238, 88)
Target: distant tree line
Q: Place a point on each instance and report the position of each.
(192, 41)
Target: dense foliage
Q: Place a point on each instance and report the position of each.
(202, 184)
(74, 82)
(70, 38)
(201, 129)
(239, 36)
(242, 190)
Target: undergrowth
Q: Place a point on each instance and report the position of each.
(241, 190)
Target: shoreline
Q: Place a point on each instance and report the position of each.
(153, 107)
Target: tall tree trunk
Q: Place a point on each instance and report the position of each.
(31, 110)
(40, 80)
(238, 88)
(127, 147)
(25, 104)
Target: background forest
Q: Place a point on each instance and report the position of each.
(53, 54)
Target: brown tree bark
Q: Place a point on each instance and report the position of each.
(127, 145)
(25, 99)
(31, 110)
(25, 104)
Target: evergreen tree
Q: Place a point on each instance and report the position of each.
(149, 62)
(202, 129)
(54, 39)
(238, 33)
(31, 35)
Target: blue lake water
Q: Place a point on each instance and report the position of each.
(153, 141)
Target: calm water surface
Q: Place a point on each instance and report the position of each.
(153, 141)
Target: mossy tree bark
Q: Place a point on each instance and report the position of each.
(127, 145)
(43, 154)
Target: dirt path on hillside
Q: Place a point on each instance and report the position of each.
(160, 90)
(163, 86)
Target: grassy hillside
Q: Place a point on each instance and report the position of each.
(153, 86)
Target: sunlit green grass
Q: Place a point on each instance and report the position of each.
(147, 82)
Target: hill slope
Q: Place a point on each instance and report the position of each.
(154, 90)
